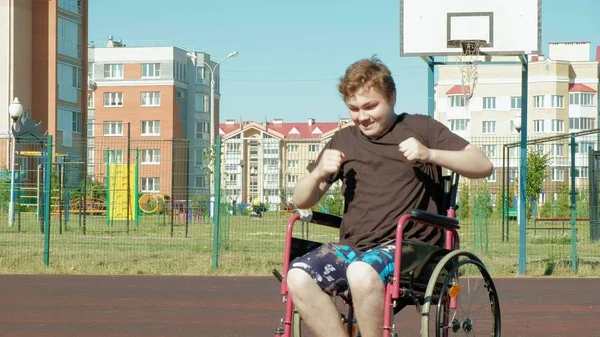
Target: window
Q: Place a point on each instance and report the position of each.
(113, 128)
(538, 101)
(114, 156)
(558, 125)
(201, 75)
(202, 103)
(70, 5)
(90, 99)
(489, 103)
(234, 149)
(582, 172)
(198, 157)
(69, 120)
(581, 123)
(69, 38)
(113, 71)
(292, 164)
(538, 125)
(557, 150)
(489, 127)
(150, 156)
(113, 99)
(558, 101)
(151, 70)
(69, 82)
(457, 101)
(202, 130)
(489, 150)
(150, 98)
(558, 174)
(77, 121)
(201, 181)
(151, 184)
(515, 102)
(314, 148)
(292, 178)
(180, 71)
(492, 177)
(150, 128)
(459, 124)
(580, 98)
(292, 148)
(584, 147)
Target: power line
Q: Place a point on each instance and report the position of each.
(306, 80)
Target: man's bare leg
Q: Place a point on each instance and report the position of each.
(368, 294)
(316, 308)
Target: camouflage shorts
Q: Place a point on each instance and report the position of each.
(328, 263)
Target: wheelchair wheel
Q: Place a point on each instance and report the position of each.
(458, 277)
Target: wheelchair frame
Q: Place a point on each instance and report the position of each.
(394, 291)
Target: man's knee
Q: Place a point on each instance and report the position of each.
(362, 277)
(298, 280)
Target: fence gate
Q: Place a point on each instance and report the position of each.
(594, 174)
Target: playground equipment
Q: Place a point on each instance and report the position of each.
(122, 191)
(150, 203)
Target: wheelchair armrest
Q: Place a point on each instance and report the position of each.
(437, 219)
(319, 218)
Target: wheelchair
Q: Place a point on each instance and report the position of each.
(430, 278)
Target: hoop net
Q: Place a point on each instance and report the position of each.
(467, 63)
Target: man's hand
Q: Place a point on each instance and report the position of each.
(330, 163)
(413, 150)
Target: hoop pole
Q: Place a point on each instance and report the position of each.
(523, 170)
(431, 89)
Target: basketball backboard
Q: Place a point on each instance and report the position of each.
(432, 27)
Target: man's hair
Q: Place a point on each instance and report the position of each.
(367, 73)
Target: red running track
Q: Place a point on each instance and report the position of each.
(152, 306)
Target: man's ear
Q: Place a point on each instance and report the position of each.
(393, 99)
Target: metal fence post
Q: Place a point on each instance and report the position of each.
(47, 199)
(216, 204)
(573, 209)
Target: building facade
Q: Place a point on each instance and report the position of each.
(152, 102)
(42, 62)
(562, 99)
(265, 160)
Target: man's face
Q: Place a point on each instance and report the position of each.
(371, 111)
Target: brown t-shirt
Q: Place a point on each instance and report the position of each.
(380, 185)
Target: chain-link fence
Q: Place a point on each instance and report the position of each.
(142, 205)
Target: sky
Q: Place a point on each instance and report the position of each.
(292, 53)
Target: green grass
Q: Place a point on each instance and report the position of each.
(253, 247)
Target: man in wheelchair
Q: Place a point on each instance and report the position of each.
(388, 164)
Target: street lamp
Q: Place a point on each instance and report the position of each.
(212, 101)
(212, 89)
(15, 110)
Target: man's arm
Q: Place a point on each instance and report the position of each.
(470, 162)
(309, 190)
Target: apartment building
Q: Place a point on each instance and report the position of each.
(42, 62)
(154, 99)
(265, 160)
(562, 98)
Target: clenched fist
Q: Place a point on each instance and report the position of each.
(413, 150)
(330, 163)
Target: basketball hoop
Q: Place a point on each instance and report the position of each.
(467, 63)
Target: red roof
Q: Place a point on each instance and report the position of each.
(288, 130)
(458, 90)
(578, 87)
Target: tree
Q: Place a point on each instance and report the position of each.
(537, 163)
(464, 209)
